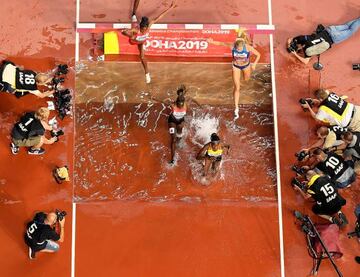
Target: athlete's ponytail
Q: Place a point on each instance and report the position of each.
(144, 23)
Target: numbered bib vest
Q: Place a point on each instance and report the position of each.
(338, 108)
(25, 80)
(338, 131)
(28, 126)
(33, 233)
(334, 166)
(323, 190)
(317, 44)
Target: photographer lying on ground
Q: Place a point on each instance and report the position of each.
(333, 110)
(323, 190)
(41, 232)
(30, 132)
(20, 82)
(304, 47)
(352, 142)
(329, 137)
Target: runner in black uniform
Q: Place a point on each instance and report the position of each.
(335, 167)
(328, 201)
(30, 132)
(40, 233)
(21, 82)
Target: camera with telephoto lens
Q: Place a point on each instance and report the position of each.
(298, 170)
(292, 47)
(301, 155)
(303, 101)
(57, 134)
(356, 66)
(296, 183)
(63, 102)
(56, 81)
(62, 69)
(60, 214)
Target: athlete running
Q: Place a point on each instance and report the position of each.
(241, 50)
(139, 33)
(212, 153)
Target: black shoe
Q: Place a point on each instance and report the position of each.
(357, 259)
(343, 219)
(36, 151)
(320, 28)
(14, 148)
(31, 254)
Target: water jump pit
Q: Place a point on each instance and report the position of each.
(122, 148)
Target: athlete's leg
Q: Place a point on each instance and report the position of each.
(127, 33)
(142, 58)
(208, 163)
(247, 73)
(172, 131)
(236, 74)
(216, 167)
(179, 131)
(136, 4)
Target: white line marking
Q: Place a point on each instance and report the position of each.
(159, 26)
(76, 32)
(73, 238)
(265, 27)
(277, 158)
(194, 26)
(85, 25)
(122, 25)
(229, 26)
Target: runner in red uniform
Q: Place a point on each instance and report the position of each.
(139, 33)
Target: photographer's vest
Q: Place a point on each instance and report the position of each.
(322, 189)
(334, 166)
(338, 108)
(21, 80)
(33, 233)
(28, 126)
(338, 131)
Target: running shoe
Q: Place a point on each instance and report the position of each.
(343, 219)
(134, 18)
(236, 114)
(357, 259)
(31, 254)
(14, 148)
(147, 78)
(36, 151)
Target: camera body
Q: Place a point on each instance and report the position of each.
(301, 155)
(63, 102)
(60, 214)
(299, 170)
(292, 47)
(303, 101)
(62, 69)
(57, 134)
(356, 66)
(296, 183)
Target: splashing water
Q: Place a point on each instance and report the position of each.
(203, 126)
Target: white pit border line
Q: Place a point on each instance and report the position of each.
(277, 159)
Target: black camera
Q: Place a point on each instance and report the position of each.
(57, 134)
(292, 47)
(296, 183)
(62, 69)
(320, 28)
(298, 170)
(301, 155)
(60, 214)
(63, 102)
(303, 101)
(55, 81)
(356, 66)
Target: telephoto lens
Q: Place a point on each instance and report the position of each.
(356, 66)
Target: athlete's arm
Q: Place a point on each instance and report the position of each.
(156, 19)
(220, 43)
(136, 4)
(202, 152)
(256, 53)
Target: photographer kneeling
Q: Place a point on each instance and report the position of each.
(333, 110)
(328, 201)
(41, 232)
(304, 47)
(30, 132)
(20, 82)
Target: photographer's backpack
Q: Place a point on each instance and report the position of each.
(317, 46)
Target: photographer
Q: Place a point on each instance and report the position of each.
(329, 137)
(30, 132)
(333, 110)
(304, 47)
(328, 201)
(335, 167)
(41, 232)
(20, 82)
(352, 141)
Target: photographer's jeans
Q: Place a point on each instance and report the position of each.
(342, 32)
(52, 246)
